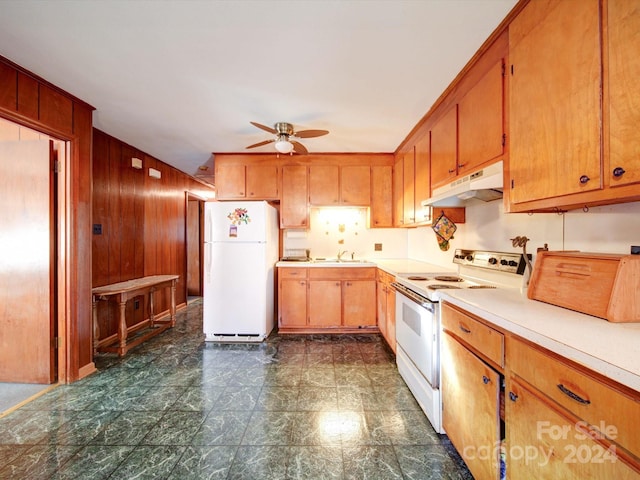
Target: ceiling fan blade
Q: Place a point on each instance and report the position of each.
(310, 133)
(259, 144)
(299, 148)
(263, 127)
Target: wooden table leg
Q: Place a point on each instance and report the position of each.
(122, 325)
(96, 327)
(173, 303)
(151, 315)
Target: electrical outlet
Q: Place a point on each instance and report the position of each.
(97, 229)
(635, 249)
(377, 247)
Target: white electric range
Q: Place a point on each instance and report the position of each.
(418, 317)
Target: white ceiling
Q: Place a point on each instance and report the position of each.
(180, 79)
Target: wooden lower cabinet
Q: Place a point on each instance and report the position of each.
(386, 306)
(471, 409)
(545, 441)
(335, 299)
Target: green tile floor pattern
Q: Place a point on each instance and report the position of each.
(295, 407)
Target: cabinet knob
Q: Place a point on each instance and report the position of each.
(452, 170)
(485, 379)
(572, 395)
(462, 165)
(513, 397)
(618, 172)
(584, 179)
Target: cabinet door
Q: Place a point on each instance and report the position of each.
(444, 149)
(398, 191)
(355, 185)
(262, 182)
(293, 303)
(556, 446)
(555, 99)
(359, 306)
(230, 181)
(470, 401)
(422, 183)
(624, 88)
(480, 121)
(382, 197)
(294, 212)
(381, 303)
(409, 199)
(325, 303)
(391, 317)
(324, 185)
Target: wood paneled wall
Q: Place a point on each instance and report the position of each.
(143, 222)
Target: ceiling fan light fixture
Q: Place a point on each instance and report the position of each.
(283, 145)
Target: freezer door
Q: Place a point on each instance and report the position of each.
(235, 222)
(238, 290)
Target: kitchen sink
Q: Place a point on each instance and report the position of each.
(336, 261)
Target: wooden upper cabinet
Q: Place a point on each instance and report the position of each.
(294, 212)
(444, 148)
(324, 185)
(381, 213)
(230, 181)
(262, 182)
(480, 121)
(398, 191)
(409, 213)
(555, 90)
(355, 185)
(422, 181)
(335, 185)
(624, 92)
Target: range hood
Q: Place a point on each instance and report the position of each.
(485, 185)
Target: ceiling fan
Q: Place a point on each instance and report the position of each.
(283, 143)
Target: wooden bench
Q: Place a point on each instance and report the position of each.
(121, 292)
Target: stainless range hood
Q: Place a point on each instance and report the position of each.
(484, 185)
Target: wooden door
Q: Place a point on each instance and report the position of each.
(555, 95)
(422, 183)
(325, 303)
(470, 403)
(624, 87)
(382, 197)
(294, 212)
(359, 306)
(409, 199)
(355, 185)
(27, 262)
(444, 148)
(398, 191)
(230, 182)
(324, 185)
(262, 182)
(293, 303)
(194, 243)
(480, 121)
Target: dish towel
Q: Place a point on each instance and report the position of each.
(444, 228)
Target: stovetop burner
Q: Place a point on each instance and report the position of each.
(440, 286)
(418, 278)
(448, 278)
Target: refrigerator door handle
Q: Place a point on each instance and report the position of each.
(207, 257)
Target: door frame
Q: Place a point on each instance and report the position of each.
(189, 197)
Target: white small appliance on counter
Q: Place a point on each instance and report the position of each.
(240, 253)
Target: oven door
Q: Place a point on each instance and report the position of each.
(417, 332)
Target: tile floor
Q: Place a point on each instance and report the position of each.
(302, 407)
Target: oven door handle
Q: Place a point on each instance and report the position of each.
(414, 297)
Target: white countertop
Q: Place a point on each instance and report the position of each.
(394, 266)
(611, 349)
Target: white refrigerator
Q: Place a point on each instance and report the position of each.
(240, 253)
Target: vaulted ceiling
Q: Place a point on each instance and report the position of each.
(181, 79)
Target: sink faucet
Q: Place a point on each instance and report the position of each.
(340, 254)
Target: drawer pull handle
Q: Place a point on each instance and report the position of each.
(485, 379)
(513, 397)
(572, 395)
(464, 329)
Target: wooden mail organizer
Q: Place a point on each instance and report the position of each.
(121, 292)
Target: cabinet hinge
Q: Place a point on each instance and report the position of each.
(504, 139)
(56, 342)
(512, 183)
(504, 69)
(512, 69)
(56, 167)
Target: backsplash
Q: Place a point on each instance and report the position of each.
(610, 229)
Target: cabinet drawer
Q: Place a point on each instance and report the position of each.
(292, 272)
(487, 341)
(340, 273)
(614, 412)
(385, 277)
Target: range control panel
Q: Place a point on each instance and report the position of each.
(501, 261)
